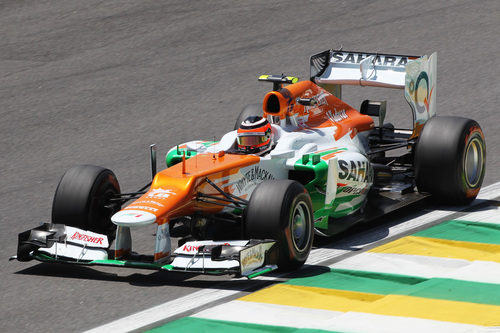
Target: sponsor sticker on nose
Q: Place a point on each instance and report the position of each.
(133, 218)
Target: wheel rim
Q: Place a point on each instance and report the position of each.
(474, 160)
(301, 226)
(101, 211)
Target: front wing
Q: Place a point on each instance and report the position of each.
(57, 243)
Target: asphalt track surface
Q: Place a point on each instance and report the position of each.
(98, 81)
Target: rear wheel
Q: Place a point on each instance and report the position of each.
(82, 199)
(282, 210)
(450, 159)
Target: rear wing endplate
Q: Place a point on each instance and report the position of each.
(415, 74)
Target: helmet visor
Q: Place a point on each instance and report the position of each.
(252, 140)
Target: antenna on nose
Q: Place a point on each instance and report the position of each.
(152, 154)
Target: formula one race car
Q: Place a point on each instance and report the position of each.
(300, 163)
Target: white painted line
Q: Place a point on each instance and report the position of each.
(427, 267)
(490, 214)
(297, 317)
(489, 192)
(200, 298)
(317, 256)
(259, 313)
(320, 255)
(163, 311)
(404, 264)
(373, 323)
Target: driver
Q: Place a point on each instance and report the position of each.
(255, 136)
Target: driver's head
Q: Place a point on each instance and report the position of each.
(254, 135)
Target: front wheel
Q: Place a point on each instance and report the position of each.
(83, 199)
(282, 210)
(450, 159)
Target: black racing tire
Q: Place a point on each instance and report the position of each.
(248, 111)
(450, 159)
(282, 210)
(82, 199)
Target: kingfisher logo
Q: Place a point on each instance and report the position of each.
(159, 193)
(196, 247)
(86, 238)
(190, 248)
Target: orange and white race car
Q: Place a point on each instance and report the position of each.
(302, 162)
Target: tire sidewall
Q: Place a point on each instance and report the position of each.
(471, 190)
(270, 214)
(80, 198)
(440, 158)
(287, 239)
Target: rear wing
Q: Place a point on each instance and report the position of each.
(415, 74)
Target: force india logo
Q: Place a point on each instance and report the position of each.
(160, 193)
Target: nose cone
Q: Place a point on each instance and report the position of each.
(133, 218)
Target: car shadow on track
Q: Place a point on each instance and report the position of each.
(376, 232)
(357, 239)
(147, 279)
(476, 206)
(91, 273)
(372, 231)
